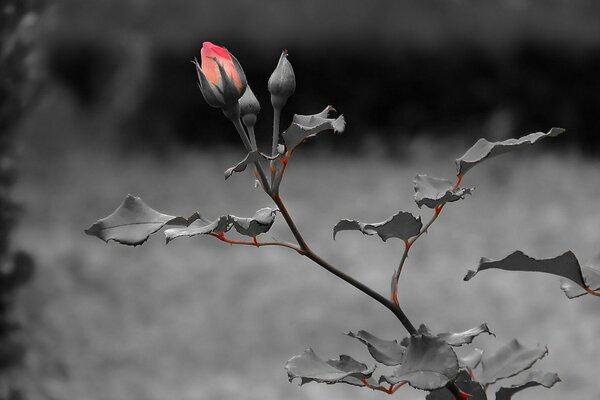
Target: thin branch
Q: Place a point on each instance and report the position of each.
(276, 119)
(408, 244)
(307, 252)
(256, 243)
(389, 390)
(261, 174)
(252, 137)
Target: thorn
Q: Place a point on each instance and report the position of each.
(462, 395)
(407, 245)
(255, 241)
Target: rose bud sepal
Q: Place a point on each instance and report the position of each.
(212, 97)
(216, 96)
(282, 82)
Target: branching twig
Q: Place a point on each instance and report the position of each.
(357, 284)
(408, 244)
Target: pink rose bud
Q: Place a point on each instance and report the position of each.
(282, 82)
(222, 79)
(249, 107)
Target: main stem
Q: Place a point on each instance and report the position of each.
(393, 307)
(307, 252)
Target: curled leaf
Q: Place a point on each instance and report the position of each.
(261, 222)
(591, 276)
(200, 226)
(132, 223)
(510, 360)
(463, 381)
(484, 149)
(460, 338)
(307, 126)
(532, 379)
(387, 352)
(250, 158)
(433, 192)
(309, 367)
(455, 339)
(241, 166)
(402, 225)
(565, 265)
(429, 363)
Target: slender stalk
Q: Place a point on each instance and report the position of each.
(307, 252)
(276, 119)
(252, 137)
(290, 222)
(262, 178)
(408, 244)
(396, 276)
(254, 242)
(366, 290)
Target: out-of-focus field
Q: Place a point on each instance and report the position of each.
(199, 319)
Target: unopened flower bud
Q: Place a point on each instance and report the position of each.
(282, 82)
(249, 107)
(222, 79)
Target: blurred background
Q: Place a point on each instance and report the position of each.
(99, 99)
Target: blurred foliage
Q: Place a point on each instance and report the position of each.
(468, 68)
(16, 268)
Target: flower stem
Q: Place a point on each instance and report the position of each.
(307, 252)
(252, 137)
(261, 174)
(276, 119)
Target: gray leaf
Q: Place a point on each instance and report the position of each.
(433, 192)
(510, 360)
(200, 227)
(471, 359)
(402, 225)
(261, 222)
(460, 338)
(532, 379)
(565, 265)
(308, 367)
(132, 223)
(387, 352)
(484, 149)
(453, 339)
(306, 126)
(250, 158)
(591, 276)
(465, 384)
(428, 363)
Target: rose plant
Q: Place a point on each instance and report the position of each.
(424, 359)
